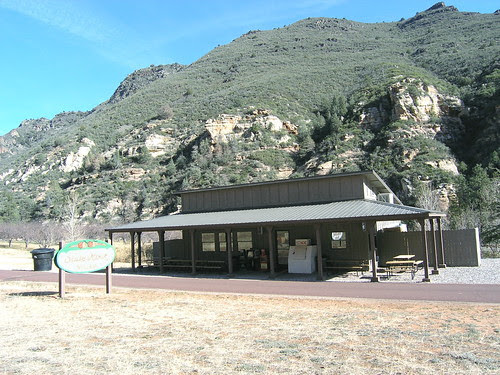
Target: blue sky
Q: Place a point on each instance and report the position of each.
(64, 55)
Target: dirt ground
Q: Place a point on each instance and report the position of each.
(153, 332)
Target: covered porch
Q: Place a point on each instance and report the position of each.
(259, 239)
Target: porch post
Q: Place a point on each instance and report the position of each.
(272, 252)
(435, 271)
(371, 234)
(111, 242)
(426, 253)
(132, 250)
(441, 244)
(161, 238)
(319, 259)
(229, 245)
(139, 249)
(193, 252)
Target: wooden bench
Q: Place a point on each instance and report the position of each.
(346, 265)
(172, 263)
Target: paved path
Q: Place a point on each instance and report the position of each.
(484, 293)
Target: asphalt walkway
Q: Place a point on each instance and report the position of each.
(482, 293)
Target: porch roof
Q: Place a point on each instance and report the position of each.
(344, 211)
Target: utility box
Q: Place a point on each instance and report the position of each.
(302, 259)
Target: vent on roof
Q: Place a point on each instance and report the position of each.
(386, 197)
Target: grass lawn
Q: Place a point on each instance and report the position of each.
(153, 332)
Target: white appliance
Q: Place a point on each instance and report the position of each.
(302, 259)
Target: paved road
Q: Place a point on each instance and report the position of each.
(483, 293)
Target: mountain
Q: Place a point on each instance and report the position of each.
(415, 100)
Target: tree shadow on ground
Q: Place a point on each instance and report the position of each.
(33, 294)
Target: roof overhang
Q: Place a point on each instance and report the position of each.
(345, 211)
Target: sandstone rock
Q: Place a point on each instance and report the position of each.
(446, 194)
(291, 128)
(325, 168)
(134, 174)
(273, 123)
(159, 144)
(447, 165)
(227, 126)
(413, 100)
(284, 173)
(74, 161)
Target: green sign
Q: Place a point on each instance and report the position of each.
(85, 256)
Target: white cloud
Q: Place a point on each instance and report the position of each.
(107, 36)
(68, 16)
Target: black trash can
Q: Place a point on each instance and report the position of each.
(42, 259)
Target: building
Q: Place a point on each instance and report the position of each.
(255, 224)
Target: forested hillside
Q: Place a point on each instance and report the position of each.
(415, 100)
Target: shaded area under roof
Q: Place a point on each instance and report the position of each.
(355, 210)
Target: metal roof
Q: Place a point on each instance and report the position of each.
(354, 210)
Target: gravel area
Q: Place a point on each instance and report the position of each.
(487, 273)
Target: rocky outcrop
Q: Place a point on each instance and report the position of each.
(142, 78)
(434, 115)
(228, 126)
(448, 165)
(158, 144)
(74, 161)
(414, 100)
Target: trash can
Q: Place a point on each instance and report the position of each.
(42, 259)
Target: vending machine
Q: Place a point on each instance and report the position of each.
(302, 258)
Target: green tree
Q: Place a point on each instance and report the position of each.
(477, 204)
(9, 211)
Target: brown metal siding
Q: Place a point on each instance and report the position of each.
(276, 194)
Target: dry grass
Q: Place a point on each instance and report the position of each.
(153, 332)
(122, 249)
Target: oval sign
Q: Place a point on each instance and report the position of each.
(85, 256)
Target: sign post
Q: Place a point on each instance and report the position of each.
(84, 256)
(62, 278)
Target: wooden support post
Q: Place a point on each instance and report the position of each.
(319, 254)
(441, 244)
(139, 249)
(373, 250)
(193, 252)
(62, 278)
(272, 252)
(435, 271)
(132, 250)
(161, 238)
(426, 252)
(109, 269)
(110, 241)
(229, 246)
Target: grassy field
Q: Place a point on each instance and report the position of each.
(153, 332)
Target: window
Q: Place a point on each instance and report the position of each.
(283, 240)
(208, 241)
(222, 242)
(339, 240)
(244, 240)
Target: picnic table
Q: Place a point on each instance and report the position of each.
(404, 257)
(403, 263)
